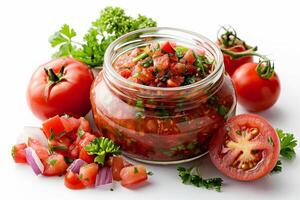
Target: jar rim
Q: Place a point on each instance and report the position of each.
(219, 67)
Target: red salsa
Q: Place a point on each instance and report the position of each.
(155, 125)
(164, 65)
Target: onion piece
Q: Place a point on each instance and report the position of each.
(75, 166)
(34, 161)
(104, 177)
(34, 133)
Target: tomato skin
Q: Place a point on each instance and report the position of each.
(232, 64)
(72, 181)
(88, 174)
(53, 125)
(70, 123)
(55, 165)
(224, 157)
(133, 176)
(18, 153)
(70, 95)
(253, 92)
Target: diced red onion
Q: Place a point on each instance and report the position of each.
(75, 166)
(34, 161)
(104, 177)
(32, 132)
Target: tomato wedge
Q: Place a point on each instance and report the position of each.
(246, 148)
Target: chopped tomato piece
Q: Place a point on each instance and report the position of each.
(84, 124)
(167, 47)
(70, 123)
(175, 81)
(83, 155)
(55, 165)
(18, 153)
(161, 62)
(40, 149)
(189, 57)
(117, 164)
(133, 176)
(88, 173)
(72, 181)
(53, 127)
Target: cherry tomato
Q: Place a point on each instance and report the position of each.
(53, 128)
(72, 181)
(232, 64)
(133, 176)
(246, 148)
(88, 173)
(58, 87)
(40, 149)
(55, 165)
(18, 153)
(253, 92)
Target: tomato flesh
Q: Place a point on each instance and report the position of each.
(88, 174)
(18, 153)
(72, 181)
(53, 127)
(246, 148)
(133, 176)
(55, 165)
(40, 149)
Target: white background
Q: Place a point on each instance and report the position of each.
(24, 30)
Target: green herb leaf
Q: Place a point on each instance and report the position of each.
(101, 147)
(277, 168)
(287, 144)
(188, 177)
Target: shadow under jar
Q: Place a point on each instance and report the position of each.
(162, 125)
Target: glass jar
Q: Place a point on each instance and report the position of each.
(162, 125)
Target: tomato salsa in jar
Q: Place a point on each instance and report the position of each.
(162, 94)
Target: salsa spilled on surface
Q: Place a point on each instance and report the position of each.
(164, 65)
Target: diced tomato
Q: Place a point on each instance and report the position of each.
(167, 47)
(18, 153)
(191, 69)
(72, 181)
(133, 176)
(70, 123)
(60, 146)
(178, 69)
(53, 127)
(73, 151)
(55, 165)
(84, 124)
(134, 53)
(117, 164)
(88, 173)
(83, 155)
(86, 139)
(189, 57)
(161, 62)
(126, 73)
(175, 81)
(40, 149)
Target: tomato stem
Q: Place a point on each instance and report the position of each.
(52, 77)
(265, 69)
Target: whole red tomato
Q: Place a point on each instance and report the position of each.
(254, 91)
(58, 87)
(231, 64)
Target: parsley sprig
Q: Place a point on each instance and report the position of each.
(101, 147)
(287, 148)
(192, 176)
(112, 23)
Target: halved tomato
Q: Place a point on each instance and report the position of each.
(18, 153)
(72, 181)
(88, 173)
(246, 148)
(133, 176)
(55, 165)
